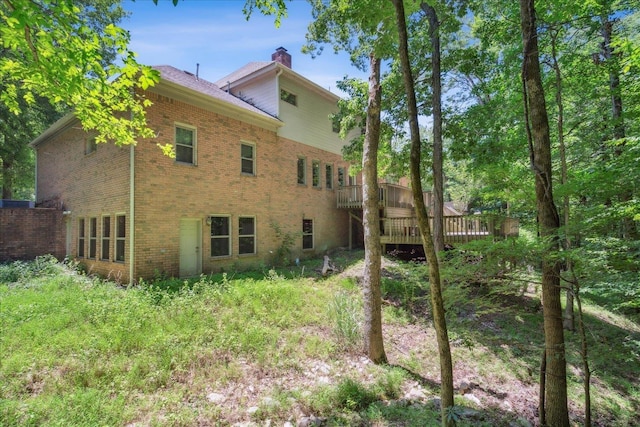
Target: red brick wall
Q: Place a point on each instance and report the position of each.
(28, 233)
(87, 186)
(166, 192)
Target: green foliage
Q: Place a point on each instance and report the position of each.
(354, 396)
(20, 273)
(287, 240)
(80, 351)
(608, 273)
(57, 54)
(345, 311)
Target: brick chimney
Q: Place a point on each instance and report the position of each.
(281, 56)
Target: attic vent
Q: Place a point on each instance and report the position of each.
(187, 72)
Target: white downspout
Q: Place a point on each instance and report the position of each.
(278, 73)
(131, 213)
(36, 183)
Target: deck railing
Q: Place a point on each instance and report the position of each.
(391, 196)
(457, 229)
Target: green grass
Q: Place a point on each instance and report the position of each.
(79, 351)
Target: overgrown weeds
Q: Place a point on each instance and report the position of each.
(77, 350)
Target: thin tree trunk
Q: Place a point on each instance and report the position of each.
(437, 303)
(556, 411)
(568, 318)
(373, 341)
(436, 99)
(541, 390)
(584, 354)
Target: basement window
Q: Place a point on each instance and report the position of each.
(120, 237)
(220, 236)
(246, 235)
(81, 238)
(106, 238)
(307, 234)
(288, 97)
(93, 237)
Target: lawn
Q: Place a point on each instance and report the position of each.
(281, 346)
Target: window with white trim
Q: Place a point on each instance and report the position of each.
(220, 236)
(328, 176)
(315, 173)
(93, 237)
(341, 177)
(106, 238)
(247, 159)
(185, 147)
(120, 237)
(246, 235)
(288, 97)
(302, 171)
(81, 237)
(307, 234)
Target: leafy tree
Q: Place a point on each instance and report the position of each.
(25, 113)
(16, 157)
(56, 52)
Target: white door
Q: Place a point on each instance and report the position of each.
(190, 260)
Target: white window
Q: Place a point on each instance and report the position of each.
(288, 97)
(120, 237)
(341, 177)
(93, 237)
(246, 235)
(328, 176)
(220, 236)
(247, 159)
(307, 234)
(106, 238)
(185, 144)
(81, 237)
(302, 171)
(315, 173)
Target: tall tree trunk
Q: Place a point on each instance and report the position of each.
(373, 342)
(629, 229)
(437, 303)
(436, 100)
(556, 410)
(568, 320)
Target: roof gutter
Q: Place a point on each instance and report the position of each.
(62, 124)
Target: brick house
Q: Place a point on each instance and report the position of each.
(256, 157)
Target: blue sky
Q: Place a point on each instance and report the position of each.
(216, 34)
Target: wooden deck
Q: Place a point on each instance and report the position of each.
(398, 226)
(457, 229)
(391, 196)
